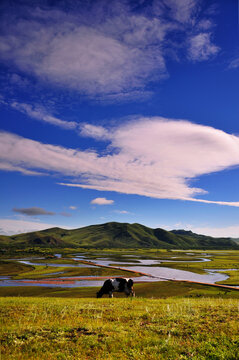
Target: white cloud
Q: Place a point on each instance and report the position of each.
(102, 201)
(39, 113)
(234, 64)
(5, 166)
(124, 212)
(110, 52)
(114, 57)
(97, 132)
(12, 227)
(182, 10)
(228, 203)
(72, 207)
(201, 47)
(154, 157)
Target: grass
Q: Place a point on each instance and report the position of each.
(114, 235)
(182, 328)
(41, 272)
(233, 277)
(56, 261)
(219, 260)
(166, 320)
(13, 268)
(157, 290)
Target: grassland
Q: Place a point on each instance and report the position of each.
(233, 277)
(166, 320)
(13, 268)
(41, 272)
(227, 262)
(149, 290)
(182, 328)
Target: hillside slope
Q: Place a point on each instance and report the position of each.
(116, 235)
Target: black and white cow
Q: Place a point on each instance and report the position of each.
(117, 284)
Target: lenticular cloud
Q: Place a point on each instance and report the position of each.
(153, 157)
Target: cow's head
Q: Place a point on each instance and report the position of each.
(99, 294)
(130, 283)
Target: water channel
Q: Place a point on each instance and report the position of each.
(148, 266)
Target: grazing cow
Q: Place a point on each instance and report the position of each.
(117, 284)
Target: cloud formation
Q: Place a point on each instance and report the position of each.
(154, 157)
(103, 49)
(234, 64)
(94, 131)
(122, 212)
(33, 211)
(102, 201)
(201, 47)
(182, 10)
(72, 207)
(39, 113)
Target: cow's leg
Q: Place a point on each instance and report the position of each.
(110, 294)
(130, 293)
(127, 292)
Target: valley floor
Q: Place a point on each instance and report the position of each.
(168, 320)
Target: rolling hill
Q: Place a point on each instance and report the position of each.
(116, 235)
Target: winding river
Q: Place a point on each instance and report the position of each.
(147, 266)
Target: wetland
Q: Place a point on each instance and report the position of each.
(90, 268)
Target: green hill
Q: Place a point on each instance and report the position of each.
(116, 235)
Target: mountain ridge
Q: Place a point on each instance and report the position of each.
(117, 235)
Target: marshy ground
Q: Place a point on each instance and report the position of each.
(166, 320)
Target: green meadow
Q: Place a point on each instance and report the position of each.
(166, 319)
(138, 328)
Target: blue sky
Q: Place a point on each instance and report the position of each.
(119, 111)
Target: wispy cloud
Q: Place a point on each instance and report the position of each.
(94, 131)
(154, 157)
(227, 203)
(107, 50)
(33, 211)
(6, 166)
(39, 113)
(72, 207)
(182, 10)
(66, 214)
(122, 212)
(102, 201)
(234, 64)
(201, 47)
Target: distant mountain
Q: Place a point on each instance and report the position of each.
(116, 235)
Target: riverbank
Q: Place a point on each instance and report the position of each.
(92, 268)
(156, 290)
